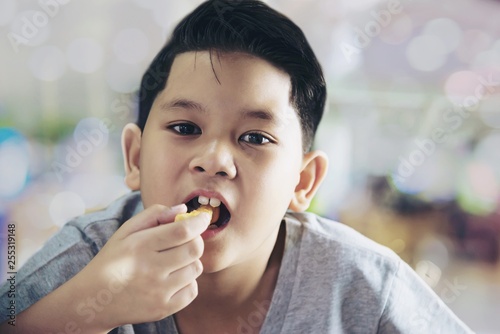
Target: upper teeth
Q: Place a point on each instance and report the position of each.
(214, 202)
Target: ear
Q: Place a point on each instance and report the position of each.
(131, 147)
(314, 168)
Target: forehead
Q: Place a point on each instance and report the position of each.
(219, 65)
(236, 80)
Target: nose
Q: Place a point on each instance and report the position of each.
(214, 159)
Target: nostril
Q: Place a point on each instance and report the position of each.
(222, 173)
(199, 169)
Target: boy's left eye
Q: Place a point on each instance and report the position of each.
(255, 138)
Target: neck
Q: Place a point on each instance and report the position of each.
(228, 296)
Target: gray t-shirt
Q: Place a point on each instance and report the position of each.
(332, 279)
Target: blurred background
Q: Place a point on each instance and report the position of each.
(412, 127)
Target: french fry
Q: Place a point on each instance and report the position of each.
(204, 208)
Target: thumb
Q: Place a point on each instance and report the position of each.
(153, 216)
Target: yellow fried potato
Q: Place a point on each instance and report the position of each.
(203, 208)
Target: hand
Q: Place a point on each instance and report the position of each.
(146, 271)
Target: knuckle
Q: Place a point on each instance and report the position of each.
(182, 232)
(176, 301)
(195, 249)
(198, 267)
(192, 291)
(156, 208)
(194, 270)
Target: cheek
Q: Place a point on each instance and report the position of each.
(273, 190)
(160, 167)
(158, 153)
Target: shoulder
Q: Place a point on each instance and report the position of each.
(337, 270)
(334, 252)
(336, 238)
(97, 227)
(359, 285)
(339, 254)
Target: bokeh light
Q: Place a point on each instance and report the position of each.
(360, 5)
(442, 174)
(64, 206)
(489, 111)
(399, 30)
(484, 149)
(110, 188)
(48, 63)
(8, 9)
(124, 78)
(488, 60)
(85, 55)
(479, 189)
(14, 169)
(91, 133)
(131, 46)
(426, 53)
(473, 42)
(460, 85)
(447, 30)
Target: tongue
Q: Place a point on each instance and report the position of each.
(215, 215)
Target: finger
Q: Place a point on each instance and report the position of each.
(183, 276)
(171, 235)
(183, 297)
(178, 257)
(184, 285)
(153, 216)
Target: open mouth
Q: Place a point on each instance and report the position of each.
(221, 215)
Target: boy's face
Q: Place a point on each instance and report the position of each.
(238, 140)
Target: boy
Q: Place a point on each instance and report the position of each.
(228, 112)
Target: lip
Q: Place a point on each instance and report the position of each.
(208, 234)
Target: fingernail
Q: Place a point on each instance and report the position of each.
(207, 215)
(179, 207)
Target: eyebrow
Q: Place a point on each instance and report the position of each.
(262, 114)
(183, 104)
(259, 114)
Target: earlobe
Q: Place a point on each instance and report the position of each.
(131, 147)
(314, 168)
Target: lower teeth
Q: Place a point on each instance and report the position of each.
(212, 227)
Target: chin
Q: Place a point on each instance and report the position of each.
(214, 262)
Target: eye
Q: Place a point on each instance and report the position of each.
(255, 138)
(185, 129)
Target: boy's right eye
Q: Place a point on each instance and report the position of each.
(185, 129)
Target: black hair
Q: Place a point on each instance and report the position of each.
(252, 27)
